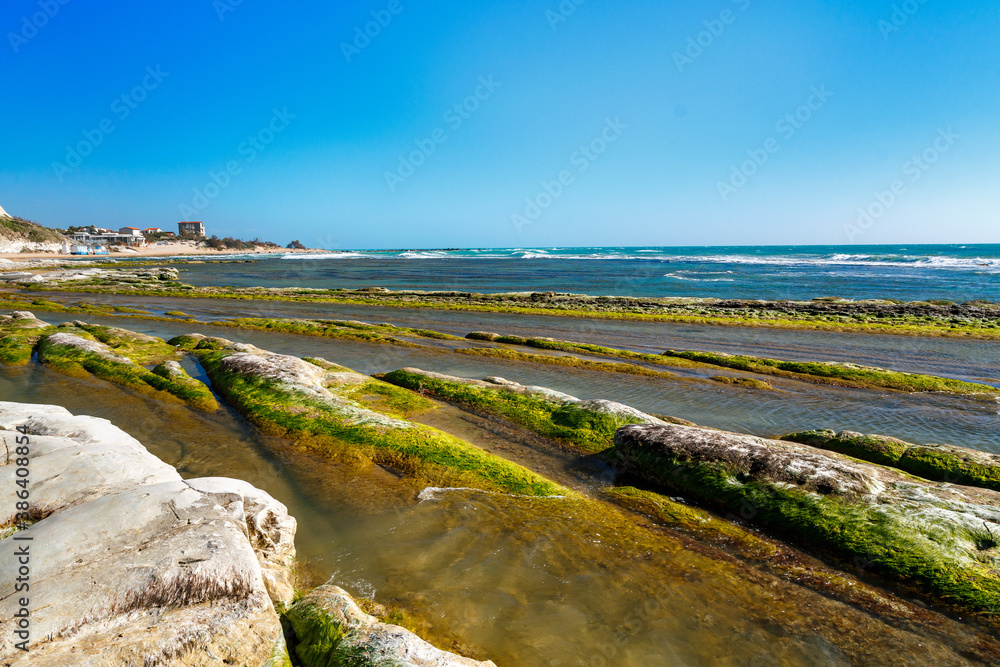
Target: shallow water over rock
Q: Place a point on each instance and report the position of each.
(520, 581)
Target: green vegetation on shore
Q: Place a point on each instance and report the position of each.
(345, 330)
(974, 320)
(747, 383)
(584, 348)
(747, 545)
(334, 427)
(80, 353)
(583, 430)
(849, 375)
(941, 463)
(18, 337)
(879, 537)
(567, 361)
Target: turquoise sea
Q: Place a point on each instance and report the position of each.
(910, 272)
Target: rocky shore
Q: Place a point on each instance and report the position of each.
(977, 319)
(940, 540)
(146, 568)
(130, 565)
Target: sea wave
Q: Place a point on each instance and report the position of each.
(328, 255)
(676, 276)
(647, 255)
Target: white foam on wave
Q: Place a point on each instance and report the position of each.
(989, 264)
(328, 255)
(675, 276)
(424, 254)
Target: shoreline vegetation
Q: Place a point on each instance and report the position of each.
(938, 542)
(975, 319)
(818, 372)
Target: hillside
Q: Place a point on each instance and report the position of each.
(20, 235)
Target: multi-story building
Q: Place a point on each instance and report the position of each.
(191, 228)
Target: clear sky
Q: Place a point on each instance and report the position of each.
(505, 124)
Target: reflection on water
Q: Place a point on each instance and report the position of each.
(522, 581)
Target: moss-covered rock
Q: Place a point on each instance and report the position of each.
(340, 329)
(828, 372)
(74, 351)
(940, 541)
(19, 333)
(322, 406)
(748, 383)
(564, 360)
(543, 343)
(328, 629)
(587, 426)
(942, 463)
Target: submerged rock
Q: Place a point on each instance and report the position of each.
(346, 415)
(117, 355)
(329, 628)
(942, 463)
(587, 425)
(941, 540)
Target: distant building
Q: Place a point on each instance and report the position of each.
(191, 228)
(111, 238)
(130, 231)
(152, 230)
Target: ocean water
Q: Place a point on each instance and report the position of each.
(913, 272)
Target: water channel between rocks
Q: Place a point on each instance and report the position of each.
(535, 581)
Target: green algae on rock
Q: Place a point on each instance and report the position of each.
(568, 361)
(929, 538)
(752, 547)
(327, 628)
(587, 348)
(850, 375)
(341, 329)
(942, 463)
(320, 406)
(587, 426)
(116, 355)
(971, 320)
(19, 333)
(748, 383)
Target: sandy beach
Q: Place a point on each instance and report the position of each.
(156, 250)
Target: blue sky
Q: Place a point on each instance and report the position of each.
(600, 123)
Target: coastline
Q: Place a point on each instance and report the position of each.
(169, 250)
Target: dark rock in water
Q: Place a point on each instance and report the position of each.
(483, 335)
(943, 541)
